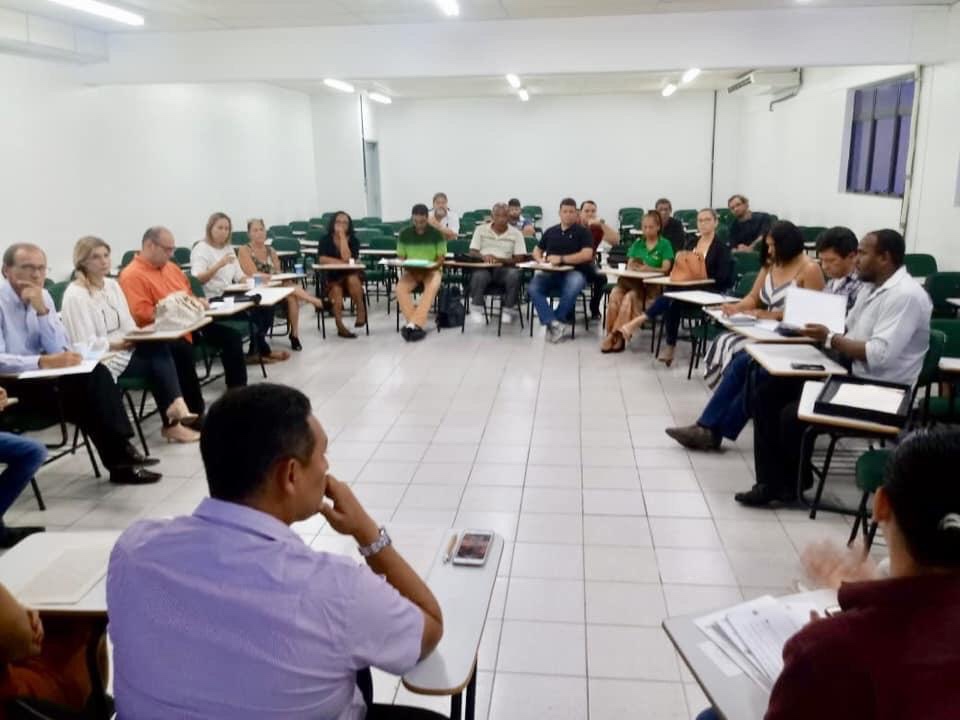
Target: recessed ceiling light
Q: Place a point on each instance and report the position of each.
(103, 10)
(669, 90)
(450, 7)
(513, 80)
(338, 85)
(690, 75)
(524, 95)
(380, 98)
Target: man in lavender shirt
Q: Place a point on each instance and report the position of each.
(227, 613)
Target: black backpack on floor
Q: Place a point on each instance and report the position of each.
(450, 312)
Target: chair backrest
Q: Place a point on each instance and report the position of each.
(811, 233)
(196, 286)
(275, 231)
(316, 222)
(286, 244)
(531, 243)
(315, 234)
(931, 361)
(951, 331)
(940, 286)
(532, 212)
(744, 262)
(299, 226)
(181, 256)
(239, 237)
(687, 216)
(745, 283)
(458, 246)
(385, 229)
(56, 292)
(128, 257)
(920, 264)
(372, 220)
(383, 243)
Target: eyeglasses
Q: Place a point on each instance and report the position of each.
(32, 269)
(168, 249)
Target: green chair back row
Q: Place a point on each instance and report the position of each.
(811, 233)
(56, 292)
(127, 258)
(920, 264)
(181, 256)
(286, 244)
(744, 262)
(383, 243)
(299, 226)
(275, 231)
(532, 212)
(458, 247)
(940, 286)
(745, 284)
(239, 237)
(687, 217)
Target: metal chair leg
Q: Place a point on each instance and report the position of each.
(36, 492)
(136, 422)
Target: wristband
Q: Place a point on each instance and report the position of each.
(828, 343)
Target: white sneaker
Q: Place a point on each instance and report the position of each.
(554, 332)
(476, 316)
(506, 316)
(563, 333)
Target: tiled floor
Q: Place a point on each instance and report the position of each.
(610, 527)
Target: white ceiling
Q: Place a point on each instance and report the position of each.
(493, 86)
(187, 15)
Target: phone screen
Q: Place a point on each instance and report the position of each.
(473, 546)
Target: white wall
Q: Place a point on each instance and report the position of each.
(112, 160)
(618, 150)
(338, 147)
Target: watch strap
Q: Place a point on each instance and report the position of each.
(382, 541)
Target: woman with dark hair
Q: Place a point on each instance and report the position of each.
(651, 252)
(340, 245)
(719, 267)
(784, 265)
(258, 258)
(894, 649)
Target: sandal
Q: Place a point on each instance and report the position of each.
(607, 345)
(619, 342)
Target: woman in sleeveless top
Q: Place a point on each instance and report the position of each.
(258, 258)
(784, 265)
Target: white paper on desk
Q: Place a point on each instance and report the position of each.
(713, 627)
(764, 627)
(869, 397)
(812, 307)
(82, 369)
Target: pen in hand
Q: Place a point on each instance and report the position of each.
(449, 553)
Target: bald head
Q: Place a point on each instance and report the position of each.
(158, 245)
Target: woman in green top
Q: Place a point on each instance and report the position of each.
(650, 253)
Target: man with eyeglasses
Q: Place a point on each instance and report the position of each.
(31, 338)
(150, 277)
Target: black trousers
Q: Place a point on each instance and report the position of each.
(91, 401)
(598, 284)
(376, 711)
(777, 433)
(171, 371)
(230, 344)
(262, 318)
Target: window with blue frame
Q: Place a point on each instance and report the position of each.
(880, 138)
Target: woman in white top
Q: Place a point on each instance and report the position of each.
(214, 263)
(94, 307)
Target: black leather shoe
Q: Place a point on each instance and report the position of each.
(757, 496)
(129, 476)
(295, 343)
(405, 333)
(133, 458)
(10, 536)
(417, 333)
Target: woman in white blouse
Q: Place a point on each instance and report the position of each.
(94, 307)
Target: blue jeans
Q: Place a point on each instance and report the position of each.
(551, 284)
(727, 413)
(672, 315)
(22, 457)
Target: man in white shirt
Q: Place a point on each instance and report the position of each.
(496, 242)
(888, 334)
(443, 218)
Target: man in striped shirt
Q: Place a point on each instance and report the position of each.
(837, 248)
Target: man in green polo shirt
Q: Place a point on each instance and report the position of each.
(424, 243)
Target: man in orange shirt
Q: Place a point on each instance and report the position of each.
(150, 277)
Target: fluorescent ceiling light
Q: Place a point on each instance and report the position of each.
(380, 98)
(513, 80)
(338, 85)
(524, 95)
(449, 7)
(669, 90)
(690, 75)
(103, 10)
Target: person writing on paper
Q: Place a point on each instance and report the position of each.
(887, 338)
(32, 337)
(150, 277)
(45, 659)
(496, 242)
(260, 625)
(259, 259)
(22, 457)
(214, 263)
(568, 243)
(340, 245)
(726, 413)
(424, 243)
(650, 253)
(719, 267)
(894, 650)
(95, 310)
(837, 249)
(783, 265)
(443, 218)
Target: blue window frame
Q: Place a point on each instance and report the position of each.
(880, 138)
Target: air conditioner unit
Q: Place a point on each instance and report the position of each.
(761, 82)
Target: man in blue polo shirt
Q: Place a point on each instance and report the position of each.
(568, 243)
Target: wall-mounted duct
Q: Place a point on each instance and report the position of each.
(34, 36)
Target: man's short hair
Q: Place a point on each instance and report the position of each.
(664, 201)
(741, 198)
(568, 202)
(420, 209)
(437, 196)
(890, 242)
(247, 431)
(587, 202)
(152, 234)
(498, 206)
(514, 202)
(10, 254)
(839, 239)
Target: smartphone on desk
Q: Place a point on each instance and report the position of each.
(473, 547)
(807, 366)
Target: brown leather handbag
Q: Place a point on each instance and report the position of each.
(688, 265)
